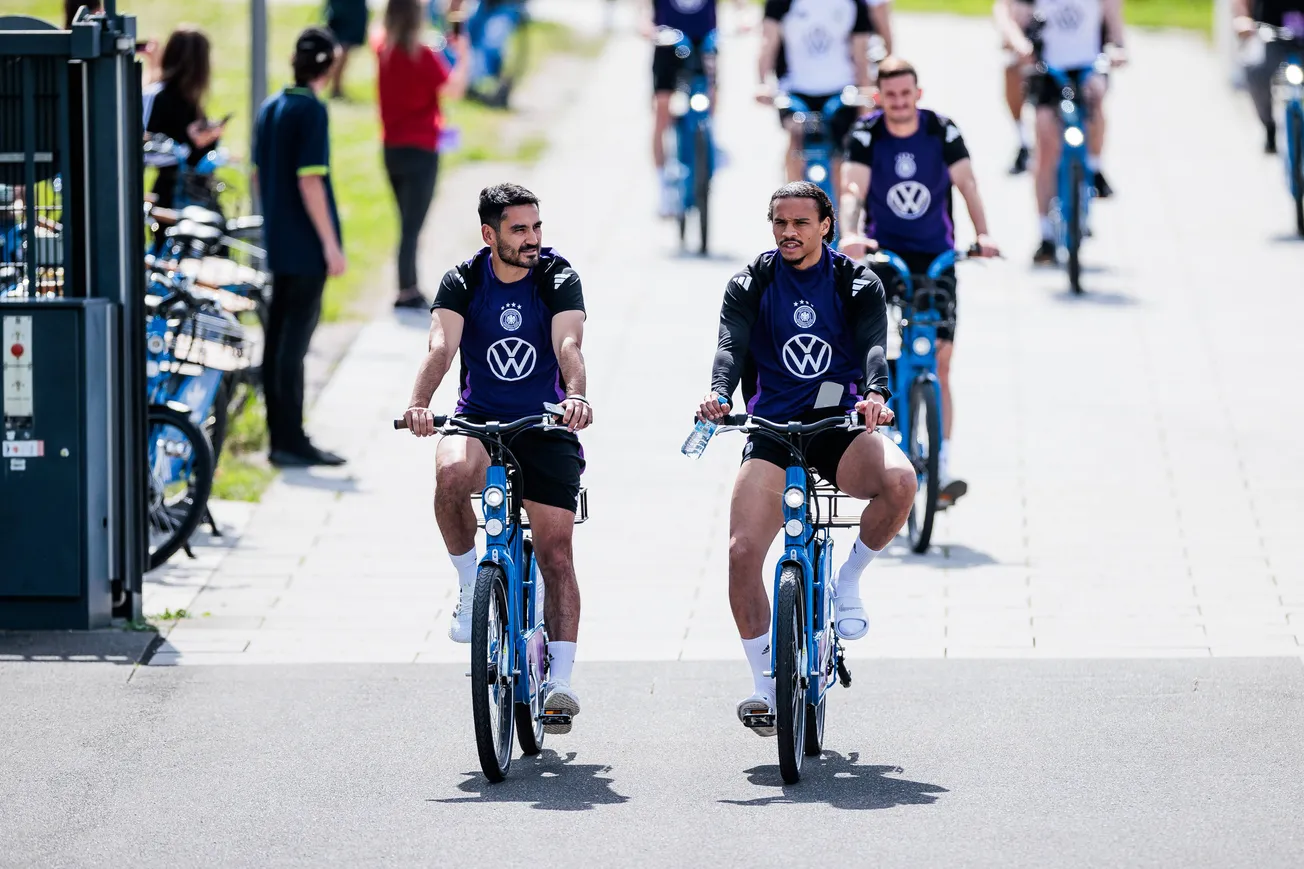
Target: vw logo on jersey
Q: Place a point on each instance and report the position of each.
(688, 7)
(510, 319)
(1068, 16)
(909, 200)
(818, 40)
(512, 358)
(804, 316)
(905, 165)
(807, 356)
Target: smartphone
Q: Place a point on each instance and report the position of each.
(222, 123)
(141, 46)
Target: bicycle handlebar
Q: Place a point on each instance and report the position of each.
(747, 422)
(452, 424)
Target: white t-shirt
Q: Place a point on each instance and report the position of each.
(817, 42)
(1072, 37)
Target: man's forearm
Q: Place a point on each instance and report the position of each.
(571, 363)
(860, 51)
(429, 376)
(975, 205)
(850, 211)
(313, 190)
(1114, 21)
(882, 18)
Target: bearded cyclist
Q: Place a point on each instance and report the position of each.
(815, 49)
(803, 329)
(1075, 34)
(515, 314)
(901, 165)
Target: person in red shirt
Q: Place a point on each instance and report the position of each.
(412, 78)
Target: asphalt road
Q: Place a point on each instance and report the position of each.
(1133, 521)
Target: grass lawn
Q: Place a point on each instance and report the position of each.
(1191, 14)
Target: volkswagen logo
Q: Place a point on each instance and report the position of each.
(807, 356)
(511, 358)
(909, 200)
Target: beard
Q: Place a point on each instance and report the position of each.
(523, 257)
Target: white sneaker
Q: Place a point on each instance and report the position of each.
(760, 703)
(561, 700)
(671, 204)
(459, 629)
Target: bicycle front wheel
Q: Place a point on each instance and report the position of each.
(1295, 140)
(702, 182)
(492, 699)
(790, 673)
(181, 468)
(1076, 182)
(923, 445)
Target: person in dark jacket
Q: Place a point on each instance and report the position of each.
(178, 107)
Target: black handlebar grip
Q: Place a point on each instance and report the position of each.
(400, 424)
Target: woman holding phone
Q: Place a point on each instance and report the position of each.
(412, 77)
(178, 108)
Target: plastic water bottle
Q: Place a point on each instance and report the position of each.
(700, 436)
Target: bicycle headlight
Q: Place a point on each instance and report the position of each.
(793, 527)
(794, 497)
(1295, 75)
(1073, 136)
(921, 346)
(493, 527)
(699, 102)
(817, 173)
(494, 496)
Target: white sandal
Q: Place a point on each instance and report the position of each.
(850, 619)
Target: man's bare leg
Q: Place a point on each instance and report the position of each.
(872, 468)
(755, 516)
(553, 529)
(460, 465)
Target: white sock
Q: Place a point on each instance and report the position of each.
(1047, 228)
(758, 657)
(943, 461)
(849, 574)
(466, 567)
(561, 661)
(1023, 134)
(1093, 163)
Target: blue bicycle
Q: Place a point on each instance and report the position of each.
(918, 306)
(816, 125)
(1290, 87)
(509, 640)
(1074, 185)
(806, 653)
(694, 145)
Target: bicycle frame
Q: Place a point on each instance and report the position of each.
(1290, 90)
(918, 359)
(690, 106)
(1073, 148)
(817, 147)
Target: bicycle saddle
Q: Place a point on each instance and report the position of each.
(196, 235)
(199, 214)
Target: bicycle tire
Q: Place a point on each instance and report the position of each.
(180, 518)
(702, 184)
(1295, 135)
(1074, 216)
(923, 402)
(789, 676)
(529, 729)
(815, 714)
(493, 721)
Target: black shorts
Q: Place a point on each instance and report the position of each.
(1042, 90)
(823, 450)
(666, 66)
(843, 118)
(347, 20)
(550, 464)
(918, 264)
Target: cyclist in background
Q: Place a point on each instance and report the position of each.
(1016, 85)
(515, 313)
(901, 164)
(815, 49)
(803, 329)
(1258, 75)
(696, 19)
(1076, 33)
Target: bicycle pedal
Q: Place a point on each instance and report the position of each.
(554, 717)
(758, 719)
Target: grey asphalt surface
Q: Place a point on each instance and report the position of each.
(954, 763)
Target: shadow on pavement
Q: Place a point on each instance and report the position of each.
(942, 556)
(548, 781)
(304, 479)
(77, 647)
(841, 783)
(1088, 297)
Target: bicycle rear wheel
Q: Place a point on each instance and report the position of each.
(702, 182)
(181, 468)
(492, 699)
(529, 729)
(790, 673)
(923, 446)
(1074, 216)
